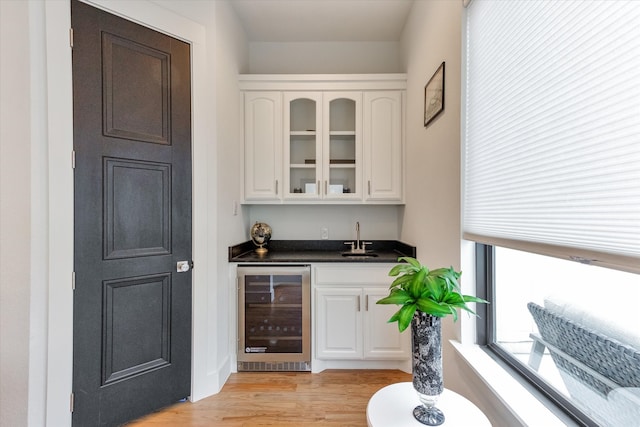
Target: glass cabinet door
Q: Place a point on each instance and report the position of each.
(303, 145)
(323, 145)
(342, 145)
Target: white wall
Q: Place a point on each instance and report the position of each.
(432, 216)
(23, 215)
(325, 57)
(304, 222)
(231, 58)
(28, 223)
(15, 214)
(36, 186)
(227, 56)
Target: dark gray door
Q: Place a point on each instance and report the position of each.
(132, 142)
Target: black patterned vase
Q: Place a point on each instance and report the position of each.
(426, 344)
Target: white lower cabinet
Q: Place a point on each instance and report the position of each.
(338, 323)
(382, 340)
(349, 325)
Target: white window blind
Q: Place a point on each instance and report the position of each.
(552, 128)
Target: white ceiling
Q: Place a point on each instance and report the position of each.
(322, 20)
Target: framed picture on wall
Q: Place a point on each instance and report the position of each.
(434, 95)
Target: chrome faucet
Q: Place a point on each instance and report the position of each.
(358, 247)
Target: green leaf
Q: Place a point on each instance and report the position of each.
(412, 261)
(467, 309)
(397, 296)
(435, 292)
(454, 313)
(450, 278)
(433, 287)
(454, 298)
(405, 314)
(429, 306)
(401, 268)
(439, 271)
(397, 269)
(395, 317)
(402, 280)
(414, 287)
(471, 298)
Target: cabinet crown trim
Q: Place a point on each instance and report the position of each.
(396, 81)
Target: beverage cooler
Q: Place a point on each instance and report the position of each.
(274, 322)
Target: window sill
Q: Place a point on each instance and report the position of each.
(520, 398)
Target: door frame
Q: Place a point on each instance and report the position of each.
(205, 378)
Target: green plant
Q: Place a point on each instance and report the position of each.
(434, 292)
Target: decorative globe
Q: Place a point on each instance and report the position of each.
(260, 234)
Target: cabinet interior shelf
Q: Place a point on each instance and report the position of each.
(350, 162)
(342, 133)
(302, 132)
(279, 337)
(274, 305)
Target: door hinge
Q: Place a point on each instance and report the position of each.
(73, 280)
(71, 401)
(73, 159)
(71, 38)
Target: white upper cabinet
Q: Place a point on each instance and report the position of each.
(342, 148)
(322, 146)
(262, 146)
(302, 145)
(383, 146)
(323, 139)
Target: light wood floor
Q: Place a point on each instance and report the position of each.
(330, 398)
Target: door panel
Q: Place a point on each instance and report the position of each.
(136, 223)
(132, 139)
(131, 351)
(136, 82)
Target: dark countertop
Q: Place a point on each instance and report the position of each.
(308, 251)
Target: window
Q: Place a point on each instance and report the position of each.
(551, 129)
(571, 328)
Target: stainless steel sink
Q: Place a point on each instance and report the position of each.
(359, 255)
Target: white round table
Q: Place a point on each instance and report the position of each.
(393, 406)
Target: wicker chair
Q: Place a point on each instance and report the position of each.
(590, 363)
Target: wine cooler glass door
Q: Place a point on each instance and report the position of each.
(274, 321)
